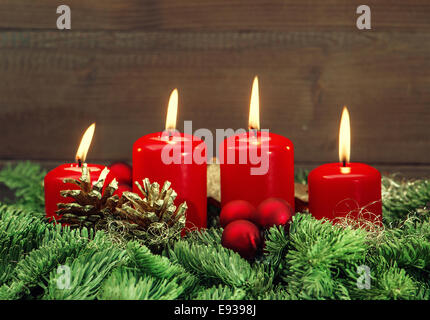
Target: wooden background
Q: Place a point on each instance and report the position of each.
(122, 58)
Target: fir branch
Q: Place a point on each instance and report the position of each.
(87, 273)
(278, 293)
(12, 291)
(401, 198)
(213, 263)
(26, 180)
(40, 262)
(159, 267)
(220, 292)
(10, 255)
(320, 252)
(276, 245)
(390, 283)
(407, 245)
(20, 232)
(211, 236)
(126, 284)
(147, 262)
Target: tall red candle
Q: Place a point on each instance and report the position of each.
(53, 182)
(345, 189)
(251, 180)
(179, 158)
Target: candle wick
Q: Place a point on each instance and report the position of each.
(344, 163)
(79, 163)
(253, 130)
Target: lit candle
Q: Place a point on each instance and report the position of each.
(53, 181)
(344, 188)
(256, 164)
(176, 157)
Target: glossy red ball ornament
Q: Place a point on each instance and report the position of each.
(273, 211)
(122, 172)
(243, 237)
(122, 188)
(236, 210)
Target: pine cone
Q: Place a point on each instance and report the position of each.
(91, 203)
(153, 219)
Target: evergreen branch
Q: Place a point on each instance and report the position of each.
(12, 291)
(210, 237)
(407, 252)
(319, 253)
(20, 232)
(215, 264)
(220, 292)
(40, 262)
(390, 283)
(126, 284)
(159, 267)
(87, 272)
(26, 180)
(276, 245)
(400, 198)
(278, 293)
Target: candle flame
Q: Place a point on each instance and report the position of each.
(172, 110)
(254, 107)
(81, 154)
(344, 137)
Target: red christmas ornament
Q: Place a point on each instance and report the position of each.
(273, 211)
(237, 210)
(122, 188)
(243, 237)
(122, 172)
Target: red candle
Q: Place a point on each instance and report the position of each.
(53, 181)
(345, 189)
(257, 165)
(179, 158)
(54, 184)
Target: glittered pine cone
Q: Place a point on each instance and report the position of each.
(154, 219)
(91, 203)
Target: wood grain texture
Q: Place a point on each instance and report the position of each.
(268, 15)
(54, 84)
(122, 58)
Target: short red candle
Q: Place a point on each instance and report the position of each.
(54, 179)
(54, 184)
(237, 182)
(336, 191)
(188, 177)
(343, 189)
(257, 165)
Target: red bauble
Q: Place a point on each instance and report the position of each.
(243, 237)
(122, 188)
(273, 211)
(122, 172)
(237, 210)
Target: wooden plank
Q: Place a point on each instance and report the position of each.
(53, 85)
(269, 15)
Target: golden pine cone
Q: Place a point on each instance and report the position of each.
(153, 219)
(91, 203)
